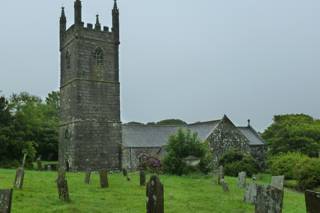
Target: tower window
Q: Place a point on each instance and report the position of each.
(68, 60)
(99, 57)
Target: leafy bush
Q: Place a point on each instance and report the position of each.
(308, 174)
(235, 162)
(184, 144)
(286, 164)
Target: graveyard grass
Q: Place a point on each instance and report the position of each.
(190, 194)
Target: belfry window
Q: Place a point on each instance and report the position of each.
(68, 60)
(99, 57)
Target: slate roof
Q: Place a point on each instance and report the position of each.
(139, 135)
(253, 137)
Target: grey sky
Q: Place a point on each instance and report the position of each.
(188, 59)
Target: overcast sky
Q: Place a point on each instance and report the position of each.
(189, 59)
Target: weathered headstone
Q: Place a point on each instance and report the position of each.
(49, 167)
(62, 185)
(250, 195)
(277, 182)
(155, 199)
(220, 174)
(87, 177)
(269, 200)
(124, 172)
(224, 185)
(104, 183)
(142, 178)
(242, 179)
(18, 181)
(312, 201)
(5, 200)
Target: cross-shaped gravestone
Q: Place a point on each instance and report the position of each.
(154, 192)
(104, 183)
(269, 200)
(220, 174)
(142, 177)
(312, 201)
(62, 185)
(87, 177)
(250, 195)
(18, 181)
(277, 182)
(5, 200)
(242, 179)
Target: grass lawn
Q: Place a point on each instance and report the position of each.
(196, 194)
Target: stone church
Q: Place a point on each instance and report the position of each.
(91, 136)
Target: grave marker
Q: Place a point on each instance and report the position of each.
(242, 179)
(5, 200)
(142, 178)
(250, 195)
(62, 185)
(87, 177)
(18, 181)
(269, 199)
(154, 192)
(312, 201)
(104, 183)
(277, 182)
(224, 185)
(220, 174)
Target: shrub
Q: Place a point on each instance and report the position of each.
(235, 162)
(286, 164)
(308, 174)
(184, 144)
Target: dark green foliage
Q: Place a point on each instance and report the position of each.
(308, 174)
(235, 162)
(171, 122)
(184, 144)
(27, 124)
(293, 133)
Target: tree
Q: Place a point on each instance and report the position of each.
(184, 144)
(293, 133)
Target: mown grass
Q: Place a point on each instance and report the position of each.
(192, 194)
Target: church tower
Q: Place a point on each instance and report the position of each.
(90, 126)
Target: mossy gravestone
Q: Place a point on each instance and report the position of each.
(269, 199)
(62, 185)
(220, 174)
(5, 200)
(104, 183)
(142, 178)
(250, 195)
(18, 181)
(312, 201)
(242, 179)
(87, 177)
(155, 199)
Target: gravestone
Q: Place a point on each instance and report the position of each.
(49, 167)
(18, 181)
(154, 192)
(39, 164)
(269, 200)
(124, 172)
(242, 179)
(87, 177)
(220, 174)
(312, 201)
(224, 185)
(277, 182)
(142, 178)
(62, 185)
(5, 200)
(104, 183)
(250, 195)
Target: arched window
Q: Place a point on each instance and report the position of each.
(68, 60)
(99, 57)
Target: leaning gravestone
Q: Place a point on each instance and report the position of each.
(5, 200)
(312, 201)
(142, 178)
(87, 177)
(277, 182)
(242, 179)
(224, 185)
(18, 181)
(154, 192)
(269, 200)
(220, 174)
(104, 183)
(250, 195)
(62, 185)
